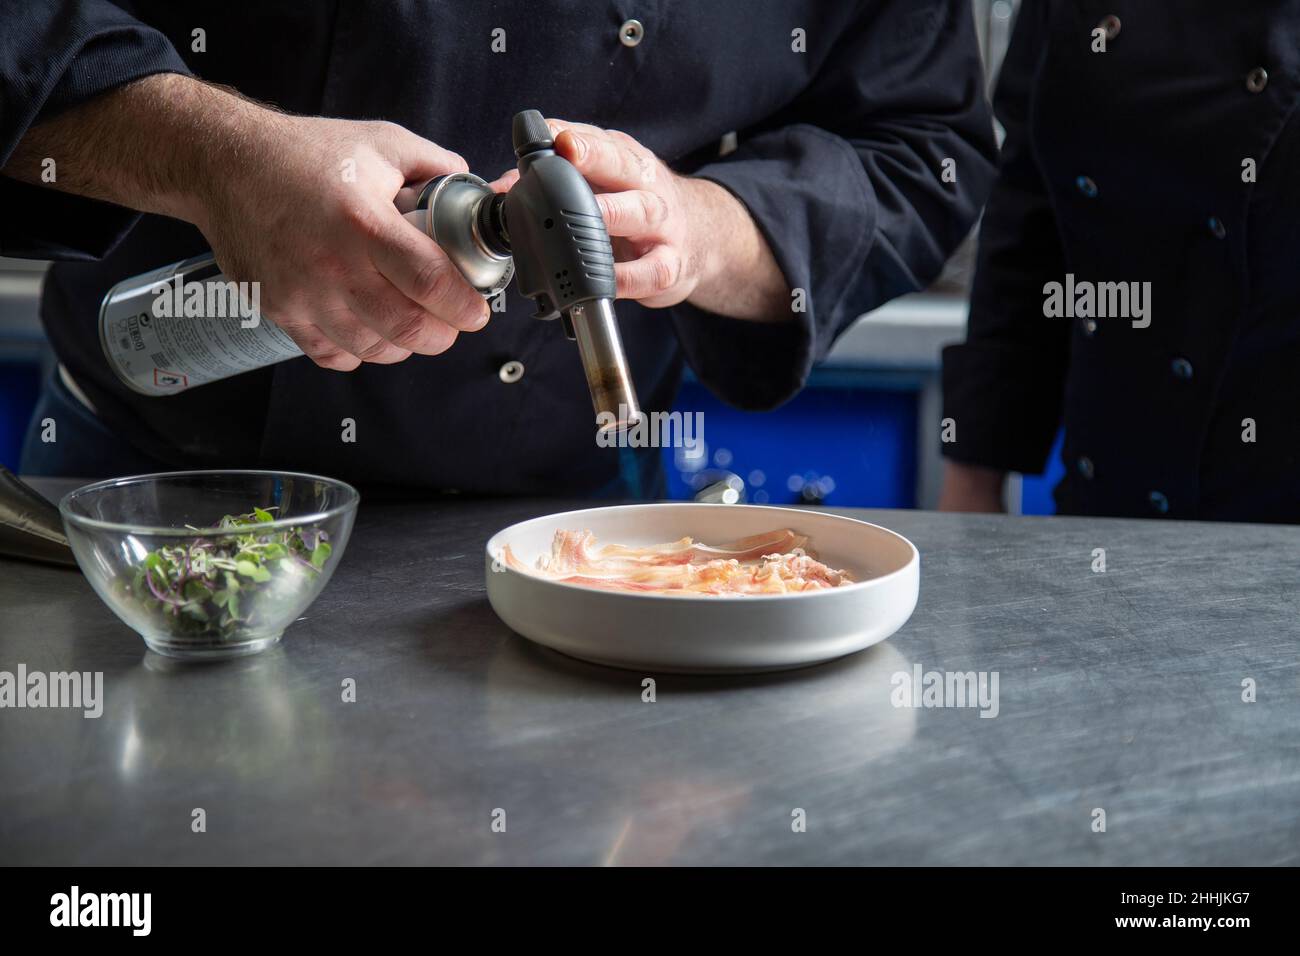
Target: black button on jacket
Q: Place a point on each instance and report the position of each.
(840, 161)
(1171, 159)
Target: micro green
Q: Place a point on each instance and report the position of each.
(216, 583)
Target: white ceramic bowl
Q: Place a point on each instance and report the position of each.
(707, 633)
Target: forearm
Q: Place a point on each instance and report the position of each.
(147, 145)
(739, 276)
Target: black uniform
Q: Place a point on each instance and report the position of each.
(840, 161)
(1170, 158)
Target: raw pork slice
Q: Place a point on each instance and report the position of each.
(776, 562)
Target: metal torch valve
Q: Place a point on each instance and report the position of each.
(548, 233)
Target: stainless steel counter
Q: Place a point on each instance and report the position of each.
(1120, 691)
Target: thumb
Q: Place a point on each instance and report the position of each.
(505, 182)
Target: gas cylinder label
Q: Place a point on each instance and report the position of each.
(158, 349)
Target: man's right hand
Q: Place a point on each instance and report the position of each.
(304, 206)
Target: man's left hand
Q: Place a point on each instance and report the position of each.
(675, 237)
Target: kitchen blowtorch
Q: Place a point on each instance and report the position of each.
(186, 325)
(550, 226)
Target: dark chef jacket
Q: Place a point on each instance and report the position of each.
(1128, 166)
(840, 162)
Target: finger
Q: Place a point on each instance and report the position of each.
(625, 250)
(653, 274)
(605, 162)
(559, 125)
(348, 331)
(418, 159)
(505, 182)
(421, 271)
(397, 320)
(407, 197)
(637, 212)
(318, 346)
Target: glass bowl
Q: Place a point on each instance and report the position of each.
(209, 564)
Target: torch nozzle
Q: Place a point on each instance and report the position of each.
(612, 393)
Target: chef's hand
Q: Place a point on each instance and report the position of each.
(675, 238)
(303, 206)
(313, 219)
(972, 488)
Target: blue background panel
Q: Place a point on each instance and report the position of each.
(857, 446)
(1036, 490)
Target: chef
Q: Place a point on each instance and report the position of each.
(1137, 277)
(279, 135)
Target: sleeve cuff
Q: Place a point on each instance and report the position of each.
(805, 189)
(43, 223)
